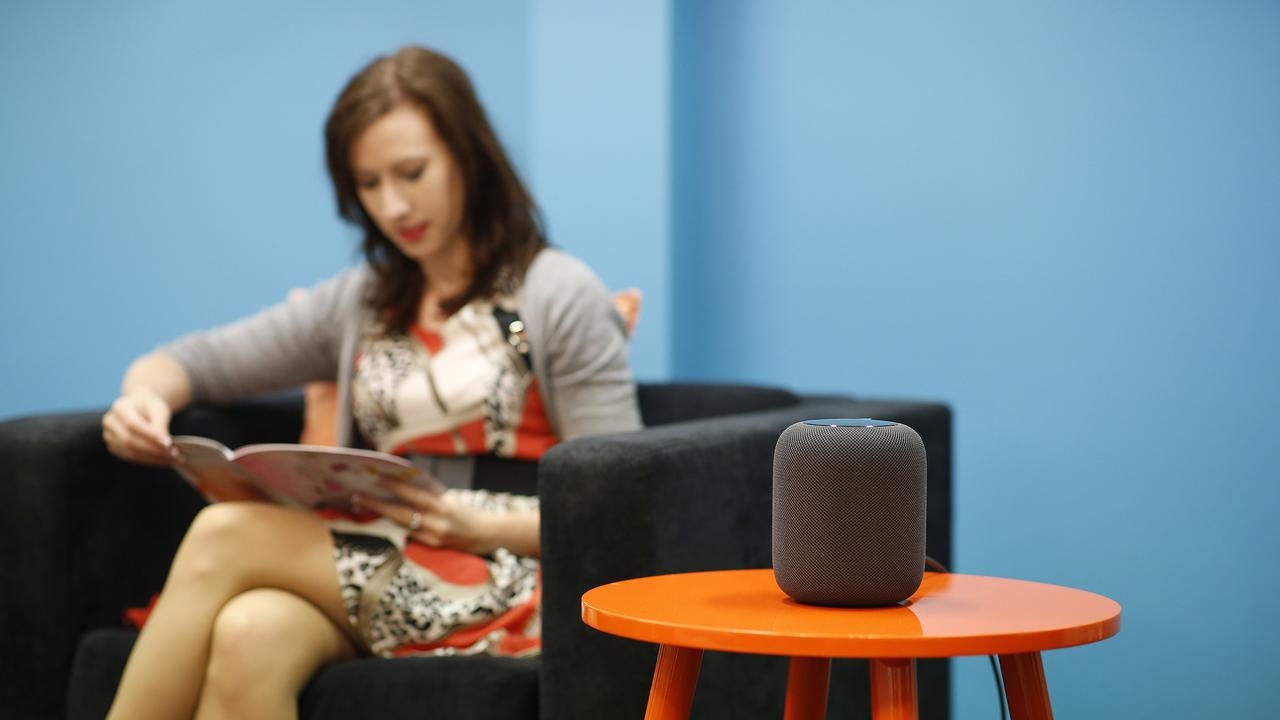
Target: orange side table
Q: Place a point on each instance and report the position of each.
(951, 614)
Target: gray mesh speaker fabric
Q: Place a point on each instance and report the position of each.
(849, 514)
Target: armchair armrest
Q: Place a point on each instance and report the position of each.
(683, 497)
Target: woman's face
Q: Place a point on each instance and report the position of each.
(410, 185)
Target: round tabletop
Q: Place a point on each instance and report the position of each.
(950, 615)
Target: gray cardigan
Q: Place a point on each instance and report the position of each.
(577, 341)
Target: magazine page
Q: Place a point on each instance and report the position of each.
(207, 465)
(318, 477)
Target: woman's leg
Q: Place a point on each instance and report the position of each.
(266, 644)
(231, 548)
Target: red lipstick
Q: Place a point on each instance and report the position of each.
(412, 234)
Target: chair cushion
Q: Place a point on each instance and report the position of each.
(95, 672)
(444, 688)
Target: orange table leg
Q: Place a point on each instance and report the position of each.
(807, 688)
(674, 680)
(893, 689)
(1025, 687)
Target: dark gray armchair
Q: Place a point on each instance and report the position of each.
(84, 535)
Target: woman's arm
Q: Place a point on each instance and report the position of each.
(281, 347)
(441, 522)
(136, 428)
(162, 375)
(515, 531)
(580, 348)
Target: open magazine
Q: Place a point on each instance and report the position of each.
(305, 476)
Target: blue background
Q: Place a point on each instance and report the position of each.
(1060, 218)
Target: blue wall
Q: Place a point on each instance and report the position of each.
(1061, 219)
(601, 126)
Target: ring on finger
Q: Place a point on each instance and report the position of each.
(415, 522)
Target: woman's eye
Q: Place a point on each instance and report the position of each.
(414, 173)
(367, 184)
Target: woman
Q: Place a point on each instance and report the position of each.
(463, 336)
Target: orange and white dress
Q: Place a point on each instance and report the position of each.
(466, 390)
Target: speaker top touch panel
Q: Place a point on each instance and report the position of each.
(850, 422)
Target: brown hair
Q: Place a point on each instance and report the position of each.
(499, 217)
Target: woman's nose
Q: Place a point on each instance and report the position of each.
(394, 204)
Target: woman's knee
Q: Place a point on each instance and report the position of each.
(217, 536)
(248, 628)
(268, 633)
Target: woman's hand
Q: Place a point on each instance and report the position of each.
(136, 428)
(435, 520)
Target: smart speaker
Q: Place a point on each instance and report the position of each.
(849, 512)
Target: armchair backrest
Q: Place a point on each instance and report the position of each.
(663, 403)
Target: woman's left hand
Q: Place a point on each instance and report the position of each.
(435, 520)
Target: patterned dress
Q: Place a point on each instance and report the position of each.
(468, 389)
